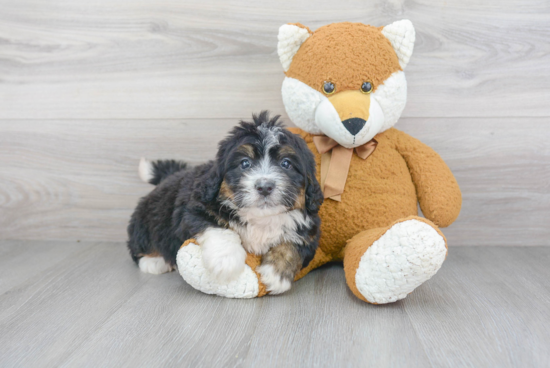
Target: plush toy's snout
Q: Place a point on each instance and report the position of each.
(363, 66)
(352, 118)
(352, 108)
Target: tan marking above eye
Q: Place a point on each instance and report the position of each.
(286, 150)
(247, 149)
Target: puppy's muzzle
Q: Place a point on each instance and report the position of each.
(264, 186)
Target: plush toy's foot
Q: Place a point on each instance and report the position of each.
(190, 266)
(386, 264)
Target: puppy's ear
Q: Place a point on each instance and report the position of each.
(313, 193)
(211, 181)
(209, 187)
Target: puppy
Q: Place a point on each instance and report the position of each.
(259, 195)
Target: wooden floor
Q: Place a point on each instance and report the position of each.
(86, 304)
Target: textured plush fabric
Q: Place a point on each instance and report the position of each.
(383, 189)
(356, 252)
(193, 271)
(291, 36)
(346, 54)
(402, 36)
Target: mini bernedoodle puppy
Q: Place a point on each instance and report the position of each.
(259, 195)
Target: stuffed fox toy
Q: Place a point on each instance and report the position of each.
(344, 89)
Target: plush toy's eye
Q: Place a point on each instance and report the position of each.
(245, 164)
(366, 87)
(285, 164)
(328, 87)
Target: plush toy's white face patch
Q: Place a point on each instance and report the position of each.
(352, 117)
(313, 112)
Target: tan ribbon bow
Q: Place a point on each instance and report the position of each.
(335, 163)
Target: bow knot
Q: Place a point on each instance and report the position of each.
(335, 163)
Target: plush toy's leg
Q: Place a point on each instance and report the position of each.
(386, 264)
(247, 285)
(189, 260)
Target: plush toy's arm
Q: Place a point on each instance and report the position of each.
(436, 188)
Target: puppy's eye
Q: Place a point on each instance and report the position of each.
(328, 87)
(245, 164)
(285, 164)
(366, 87)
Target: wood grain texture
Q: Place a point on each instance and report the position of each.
(87, 88)
(78, 179)
(488, 306)
(163, 59)
(20, 261)
(486, 300)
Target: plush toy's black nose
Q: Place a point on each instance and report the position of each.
(264, 186)
(354, 125)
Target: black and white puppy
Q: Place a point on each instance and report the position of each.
(259, 195)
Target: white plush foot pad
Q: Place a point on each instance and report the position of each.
(406, 256)
(189, 260)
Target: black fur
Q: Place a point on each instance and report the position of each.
(187, 201)
(164, 168)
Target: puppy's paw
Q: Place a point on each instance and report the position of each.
(154, 265)
(191, 268)
(274, 281)
(224, 267)
(222, 253)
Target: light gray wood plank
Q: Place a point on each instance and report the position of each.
(52, 313)
(78, 179)
(487, 307)
(322, 323)
(275, 331)
(166, 59)
(21, 260)
(167, 323)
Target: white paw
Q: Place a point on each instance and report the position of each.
(272, 280)
(222, 253)
(154, 265)
(191, 268)
(406, 256)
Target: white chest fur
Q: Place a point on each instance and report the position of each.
(266, 228)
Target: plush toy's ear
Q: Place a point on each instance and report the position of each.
(291, 37)
(401, 35)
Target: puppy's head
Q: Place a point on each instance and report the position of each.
(262, 166)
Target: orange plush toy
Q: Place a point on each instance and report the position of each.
(345, 88)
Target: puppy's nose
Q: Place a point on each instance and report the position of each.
(264, 186)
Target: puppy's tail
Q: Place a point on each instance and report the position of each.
(153, 172)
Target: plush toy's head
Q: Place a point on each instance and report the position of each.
(345, 80)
